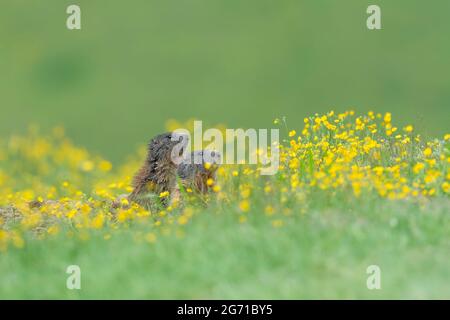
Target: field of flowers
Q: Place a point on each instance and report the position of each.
(352, 190)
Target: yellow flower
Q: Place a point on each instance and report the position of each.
(356, 188)
(182, 220)
(85, 208)
(294, 163)
(408, 129)
(105, 166)
(71, 213)
(3, 240)
(245, 193)
(122, 216)
(31, 220)
(164, 194)
(269, 210)
(53, 230)
(446, 187)
(17, 240)
(244, 205)
(292, 133)
(431, 176)
(87, 166)
(427, 152)
(418, 167)
(97, 222)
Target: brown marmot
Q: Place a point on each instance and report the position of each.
(159, 171)
(200, 167)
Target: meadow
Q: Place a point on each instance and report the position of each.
(352, 190)
(355, 188)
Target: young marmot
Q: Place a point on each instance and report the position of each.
(159, 171)
(200, 167)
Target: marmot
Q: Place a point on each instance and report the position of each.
(194, 171)
(159, 171)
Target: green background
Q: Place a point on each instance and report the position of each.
(135, 64)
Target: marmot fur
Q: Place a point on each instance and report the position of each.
(159, 171)
(194, 173)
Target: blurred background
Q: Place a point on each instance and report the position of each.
(135, 64)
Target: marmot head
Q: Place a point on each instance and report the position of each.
(203, 162)
(167, 148)
(209, 159)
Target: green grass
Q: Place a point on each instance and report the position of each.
(323, 253)
(115, 82)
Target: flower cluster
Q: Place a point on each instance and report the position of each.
(51, 188)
